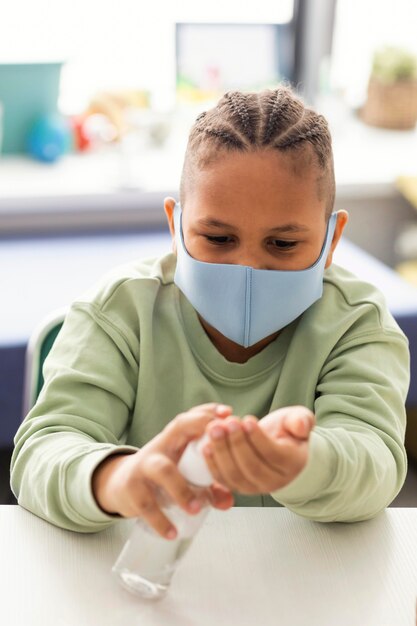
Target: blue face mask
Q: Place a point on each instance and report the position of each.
(243, 303)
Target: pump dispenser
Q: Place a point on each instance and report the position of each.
(193, 466)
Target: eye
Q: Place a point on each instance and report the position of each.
(282, 244)
(218, 241)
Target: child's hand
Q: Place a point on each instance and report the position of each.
(259, 457)
(127, 483)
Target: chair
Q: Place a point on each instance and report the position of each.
(39, 345)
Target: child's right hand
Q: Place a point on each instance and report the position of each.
(127, 483)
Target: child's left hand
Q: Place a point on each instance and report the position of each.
(253, 457)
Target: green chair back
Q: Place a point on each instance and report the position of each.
(39, 346)
(47, 344)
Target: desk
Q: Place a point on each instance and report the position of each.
(246, 567)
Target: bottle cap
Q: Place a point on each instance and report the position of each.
(193, 466)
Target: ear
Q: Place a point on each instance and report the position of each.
(342, 218)
(169, 206)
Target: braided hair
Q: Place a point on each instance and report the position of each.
(271, 119)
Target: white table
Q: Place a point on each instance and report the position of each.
(247, 567)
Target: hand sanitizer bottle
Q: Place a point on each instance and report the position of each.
(147, 561)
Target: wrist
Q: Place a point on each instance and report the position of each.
(101, 482)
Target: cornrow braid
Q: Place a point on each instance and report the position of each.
(304, 136)
(244, 118)
(281, 111)
(311, 128)
(228, 139)
(274, 119)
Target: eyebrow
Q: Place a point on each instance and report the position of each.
(291, 227)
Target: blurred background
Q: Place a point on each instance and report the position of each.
(96, 102)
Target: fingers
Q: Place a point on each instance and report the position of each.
(190, 425)
(144, 504)
(235, 463)
(285, 455)
(154, 482)
(162, 472)
(133, 486)
(293, 421)
(251, 464)
(222, 462)
(220, 497)
(299, 421)
(244, 458)
(120, 487)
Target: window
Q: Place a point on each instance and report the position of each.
(115, 45)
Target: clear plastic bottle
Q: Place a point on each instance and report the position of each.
(147, 561)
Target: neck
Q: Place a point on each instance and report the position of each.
(232, 351)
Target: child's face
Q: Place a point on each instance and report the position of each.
(252, 209)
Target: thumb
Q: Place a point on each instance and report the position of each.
(299, 422)
(188, 426)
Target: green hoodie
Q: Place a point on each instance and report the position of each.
(132, 354)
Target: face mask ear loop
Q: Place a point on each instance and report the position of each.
(331, 227)
(248, 297)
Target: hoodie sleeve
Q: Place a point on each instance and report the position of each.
(357, 461)
(79, 419)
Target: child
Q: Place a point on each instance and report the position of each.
(247, 318)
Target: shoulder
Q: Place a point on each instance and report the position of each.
(357, 297)
(351, 309)
(123, 300)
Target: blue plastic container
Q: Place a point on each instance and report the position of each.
(27, 91)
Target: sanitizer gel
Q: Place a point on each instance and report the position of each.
(147, 561)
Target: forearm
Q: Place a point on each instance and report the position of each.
(80, 417)
(52, 477)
